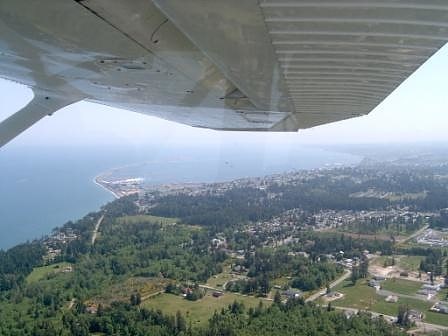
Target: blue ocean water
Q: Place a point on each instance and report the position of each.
(42, 188)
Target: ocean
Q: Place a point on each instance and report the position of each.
(42, 188)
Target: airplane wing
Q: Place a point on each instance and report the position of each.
(257, 65)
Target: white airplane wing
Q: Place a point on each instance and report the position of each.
(261, 65)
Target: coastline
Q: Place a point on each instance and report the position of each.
(103, 185)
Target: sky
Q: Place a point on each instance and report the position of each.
(415, 112)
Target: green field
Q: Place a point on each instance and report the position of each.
(389, 308)
(423, 306)
(283, 281)
(401, 286)
(198, 311)
(218, 280)
(436, 318)
(146, 218)
(443, 294)
(410, 263)
(40, 273)
(360, 296)
(380, 260)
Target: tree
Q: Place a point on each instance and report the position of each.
(181, 324)
(264, 284)
(403, 316)
(355, 275)
(277, 298)
(135, 299)
(364, 268)
(446, 274)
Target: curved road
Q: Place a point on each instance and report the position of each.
(322, 291)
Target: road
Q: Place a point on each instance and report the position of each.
(322, 291)
(383, 292)
(212, 288)
(146, 297)
(95, 231)
(415, 234)
(427, 327)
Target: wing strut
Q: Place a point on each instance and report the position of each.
(43, 103)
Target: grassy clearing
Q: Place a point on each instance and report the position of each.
(283, 281)
(40, 273)
(423, 306)
(218, 281)
(389, 308)
(410, 263)
(360, 296)
(436, 318)
(198, 312)
(401, 286)
(379, 261)
(443, 294)
(122, 291)
(146, 219)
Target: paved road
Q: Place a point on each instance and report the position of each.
(421, 325)
(95, 231)
(415, 234)
(322, 291)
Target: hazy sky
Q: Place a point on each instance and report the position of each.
(416, 111)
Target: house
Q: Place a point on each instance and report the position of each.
(217, 294)
(392, 299)
(239, 268)
(292, 294)
(415, 315)
(92, 309)
(429, 287)
(218, 243)
(375, 284)
(427, 292)
(440, 308)
(334, 295)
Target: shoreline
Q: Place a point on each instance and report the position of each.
(97, 181)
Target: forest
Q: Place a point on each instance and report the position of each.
(42, 294)
(330, 189)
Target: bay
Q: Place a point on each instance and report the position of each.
(44, 187)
